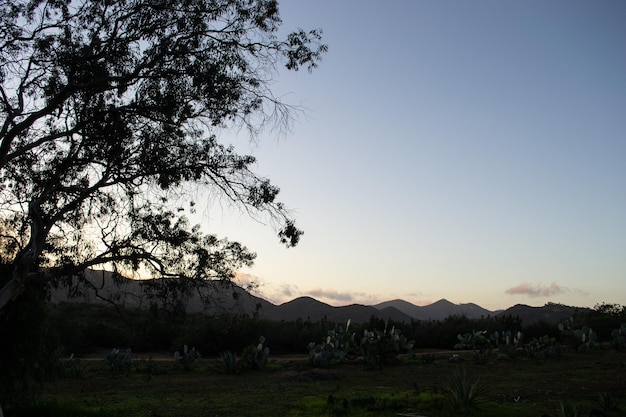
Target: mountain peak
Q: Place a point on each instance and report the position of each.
(130, 293)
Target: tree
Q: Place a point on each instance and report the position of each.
(110, 111)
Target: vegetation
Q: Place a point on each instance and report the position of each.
(84, 329)
(241, 378)
(462, 394)
(289, 386)
(255, 356)
(187, 357)
(337, 346)
(110, 113)
(109, 110)
(382, 347)
(619, 337)
(29, 344)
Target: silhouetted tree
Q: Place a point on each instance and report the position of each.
(111, 110)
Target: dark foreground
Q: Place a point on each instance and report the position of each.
(575, 384)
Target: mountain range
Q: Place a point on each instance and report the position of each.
(101, 288)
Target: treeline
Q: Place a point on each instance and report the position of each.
(82, 329)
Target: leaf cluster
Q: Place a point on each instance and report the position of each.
(110, 111)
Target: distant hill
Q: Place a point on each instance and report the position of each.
(550, 313)
(308, 308)
(438, 310)
(101, 288)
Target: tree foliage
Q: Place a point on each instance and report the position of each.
(111, 109)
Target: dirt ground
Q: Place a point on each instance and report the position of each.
(290, 387)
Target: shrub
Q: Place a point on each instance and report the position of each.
(461, 393)
(607, 401)
(568, 409)
(230, 363)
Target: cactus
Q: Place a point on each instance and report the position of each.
(73, 366)
(587, 338)
(550, 347)
(473, 340)
(507, 342)
(255, 357)
(337, 347)
(380, 348)
(583, 338)
(188, 357)
(619, 337)
(477, 342)
(495, 337)
(119, 361)
(545, 344)
(532, 348)
(566, 324)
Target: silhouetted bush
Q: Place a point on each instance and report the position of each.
(83, 328)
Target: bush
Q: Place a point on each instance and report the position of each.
(230, 363)
(461, 393)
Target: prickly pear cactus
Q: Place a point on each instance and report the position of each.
(187, 358)
(582, 339)
(119, 360)
(255, 356)
(382, 347)
(338, 346)
(619, 337)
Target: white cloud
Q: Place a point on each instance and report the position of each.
(330, 294)
(536, 290)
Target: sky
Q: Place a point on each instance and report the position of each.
(472, 151)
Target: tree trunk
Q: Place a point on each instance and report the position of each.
(26, 259)
(10, 291)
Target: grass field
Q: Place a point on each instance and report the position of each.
(288, 386)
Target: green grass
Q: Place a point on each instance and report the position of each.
(290, 388)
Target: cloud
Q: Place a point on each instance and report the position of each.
(248, 281)
(537, 290)
(277, 293)
(418, 298)
(288, 290)
(330, 294)
(338, 298)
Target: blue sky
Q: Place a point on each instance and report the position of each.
(473, 151)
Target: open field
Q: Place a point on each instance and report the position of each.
(288, 386)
